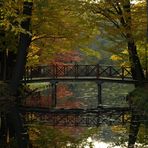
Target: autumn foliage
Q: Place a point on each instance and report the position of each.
(38, 99)
(71, 56)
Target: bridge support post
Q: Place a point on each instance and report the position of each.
(53, 93)
(99, 96)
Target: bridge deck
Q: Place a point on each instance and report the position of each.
(79, 79)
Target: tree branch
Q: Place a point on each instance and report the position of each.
(47, 36)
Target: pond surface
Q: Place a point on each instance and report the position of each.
(112, 95)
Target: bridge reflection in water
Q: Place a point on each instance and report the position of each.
(76, 117)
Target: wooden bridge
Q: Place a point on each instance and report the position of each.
(77, 117)
(78, 73)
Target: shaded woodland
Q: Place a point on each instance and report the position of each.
(38, 33)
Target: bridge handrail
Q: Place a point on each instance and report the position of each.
(70, 70)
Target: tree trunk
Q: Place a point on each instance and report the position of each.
(136, 70)
(24, 43)
(137, 74)
(3, 131)
(13, 116)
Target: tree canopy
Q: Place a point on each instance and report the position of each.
(55, 31)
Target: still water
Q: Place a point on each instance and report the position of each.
(86, 95)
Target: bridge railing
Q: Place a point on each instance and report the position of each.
(78, 71)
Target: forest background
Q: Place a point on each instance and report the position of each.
(77, 32)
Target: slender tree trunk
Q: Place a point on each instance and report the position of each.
(3, 126)
(146, 49)
(24, 42)
(3, 131)
(136, 70)
(13, 116)
(137, 74)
